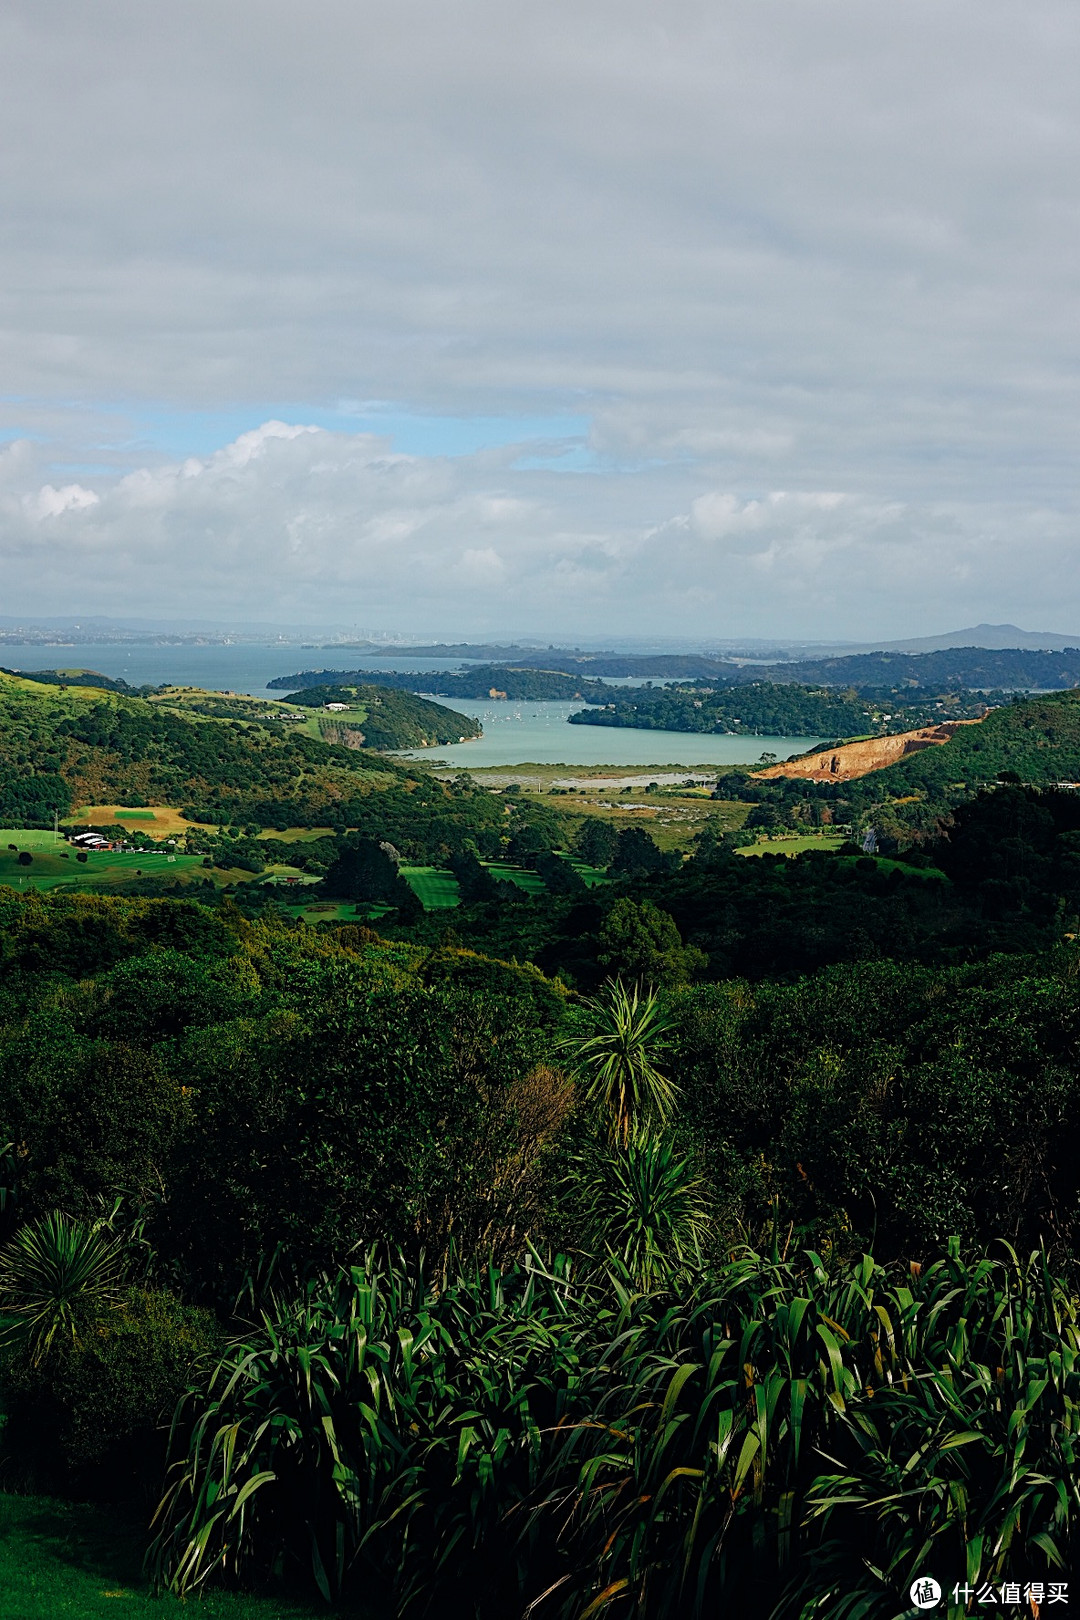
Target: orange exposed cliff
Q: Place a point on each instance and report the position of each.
(849, 760)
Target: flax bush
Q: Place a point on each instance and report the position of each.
(784, 1437)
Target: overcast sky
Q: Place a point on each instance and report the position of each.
(756, 317)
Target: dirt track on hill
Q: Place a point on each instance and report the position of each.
(850, 760)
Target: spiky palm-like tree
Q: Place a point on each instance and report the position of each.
(646, 1208)
(55, 1274)
(617, 1060)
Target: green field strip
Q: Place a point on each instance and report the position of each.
(791, 846)
(593, 875)
(435, 889)
(531, 882)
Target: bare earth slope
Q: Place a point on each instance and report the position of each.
(850, 760)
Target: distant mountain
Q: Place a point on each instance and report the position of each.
(996, 637)
(980, 669)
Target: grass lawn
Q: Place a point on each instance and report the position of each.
(332, 911)
(298, 835)
(593, 875)
(54, 866)
(531, 882)
(436, 890)
(792, 846)
(67, 1561)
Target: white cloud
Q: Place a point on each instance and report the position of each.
(49, 502)
(326, 525)
(775, 245)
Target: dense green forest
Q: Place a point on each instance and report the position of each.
(582, 1306)
(767, 708)
(698, 1234)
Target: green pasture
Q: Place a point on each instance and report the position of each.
(435, 889)
(593, 875)
(833, 842)
(886, 864)
(67, 1561)
(333, 911)
(531, 882)
(297, 835)
(792, 846)
(54, 864)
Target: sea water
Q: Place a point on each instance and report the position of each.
(234, 667)
(514, 733)
(538, 734)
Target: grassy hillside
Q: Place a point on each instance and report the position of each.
(59, 749)
(379, 717)
(62, 749)
(1037, 740)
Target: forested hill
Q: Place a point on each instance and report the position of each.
(60, 749)
(980, 668)
(770, 709)
(483, 681)
(583, 675)
(381, 718)
(65, 749)
(1033, 740)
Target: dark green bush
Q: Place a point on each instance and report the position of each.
(93, 1414)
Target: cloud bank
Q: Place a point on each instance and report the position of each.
(807, 269)
(304, 524)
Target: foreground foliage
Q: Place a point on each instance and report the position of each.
(795, 1436)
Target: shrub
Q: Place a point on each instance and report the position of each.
(642, 1204)
(89, 1415)
(56, 1276)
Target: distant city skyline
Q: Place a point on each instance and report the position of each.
(745, 322)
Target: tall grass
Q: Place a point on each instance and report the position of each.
(788, 1438)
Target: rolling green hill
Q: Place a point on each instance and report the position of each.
(60, 750)
(379, 717)
(1037, 740)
